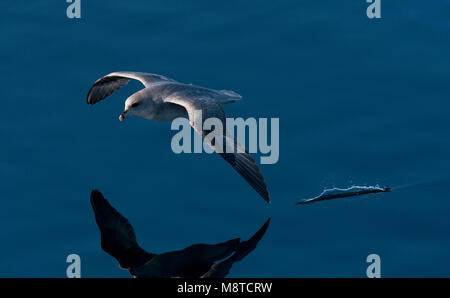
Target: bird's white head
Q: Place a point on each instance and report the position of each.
(139, 104)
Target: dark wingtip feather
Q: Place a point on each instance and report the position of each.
(104, 87)
(96, 198)
(246, 166)
(260, 233)
(88, 97)
(103, 211)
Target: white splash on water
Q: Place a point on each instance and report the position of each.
(350, 191)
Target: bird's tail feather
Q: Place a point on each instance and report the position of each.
(231, 96)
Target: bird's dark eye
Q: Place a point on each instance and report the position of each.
(135, 104)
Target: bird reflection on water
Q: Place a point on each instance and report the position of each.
(199, 260)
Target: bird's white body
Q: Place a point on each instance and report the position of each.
(164, 99)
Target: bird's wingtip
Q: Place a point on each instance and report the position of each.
(303, 202)
(96, 193)
(96, 198)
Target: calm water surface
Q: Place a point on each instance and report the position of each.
(360, 102)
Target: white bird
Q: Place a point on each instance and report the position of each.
(164, 99)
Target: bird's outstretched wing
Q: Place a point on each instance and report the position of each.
(117, 234)
(112, 82)
(191, 262)
(196, 100)
(222, 268)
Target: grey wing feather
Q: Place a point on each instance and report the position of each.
(246, 166)
(112, 82)
(117, 235)
(240, 160)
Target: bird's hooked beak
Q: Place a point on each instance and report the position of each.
(122, 116)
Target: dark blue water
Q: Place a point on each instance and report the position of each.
(360, 101)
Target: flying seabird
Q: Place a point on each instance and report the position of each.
(164, 99)
(199, 260)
